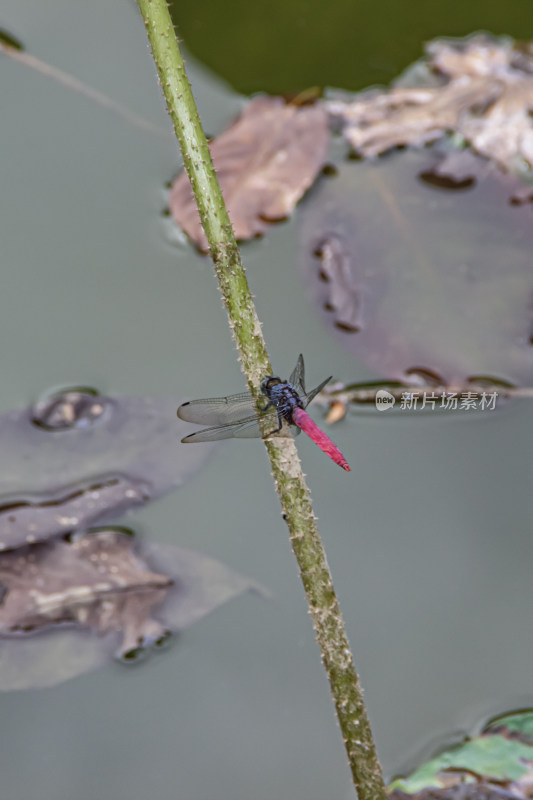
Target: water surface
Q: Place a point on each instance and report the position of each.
(428, 537)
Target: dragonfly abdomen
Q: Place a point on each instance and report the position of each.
(304, 421)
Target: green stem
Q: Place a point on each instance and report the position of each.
(286, 469)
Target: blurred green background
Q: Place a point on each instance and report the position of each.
(288, 45)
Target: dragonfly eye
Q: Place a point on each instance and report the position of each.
(268, 382)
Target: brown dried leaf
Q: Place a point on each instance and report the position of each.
(265, 162)
(487, 99)
(337, 411)
(96, 581)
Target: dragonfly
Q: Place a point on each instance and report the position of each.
(240, 416)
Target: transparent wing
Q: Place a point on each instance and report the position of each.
(297, 378)
(219, 411)
(245, 429)
(306, 398)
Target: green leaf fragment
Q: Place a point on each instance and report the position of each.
(521, 722)
(491, 757)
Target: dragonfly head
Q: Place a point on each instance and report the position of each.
(268, 383)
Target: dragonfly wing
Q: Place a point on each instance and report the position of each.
(297, 378)
(306, 399)
(219, 411)
(243, 430)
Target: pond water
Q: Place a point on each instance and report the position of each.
(428, 538)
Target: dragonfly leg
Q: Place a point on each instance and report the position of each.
(274, 430)
(267, 405)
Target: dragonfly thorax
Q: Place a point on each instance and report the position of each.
(283, 395)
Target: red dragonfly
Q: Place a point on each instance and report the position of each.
(284, 414)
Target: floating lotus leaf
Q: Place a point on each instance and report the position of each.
(76, 459)
(414, 277)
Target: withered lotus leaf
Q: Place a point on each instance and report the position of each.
(265, 162)
(483, 92)
(73, 603)
(95, 580)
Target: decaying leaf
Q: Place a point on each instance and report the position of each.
(78, 459)
(71, 604)
(483, 93)
(95, 580)
(265, 162)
